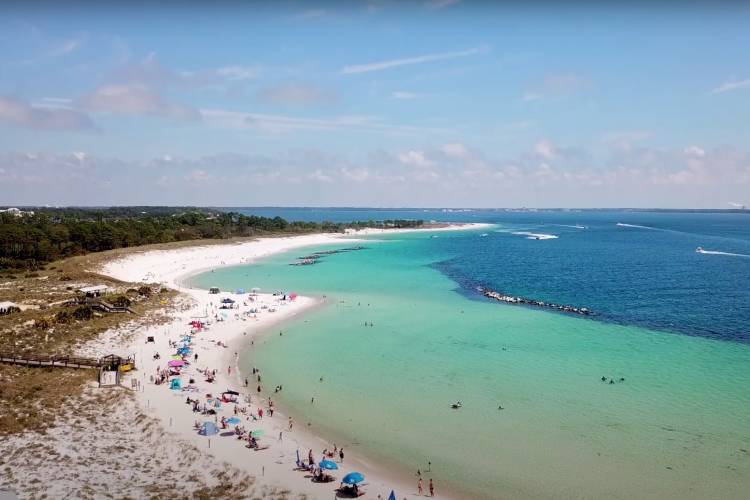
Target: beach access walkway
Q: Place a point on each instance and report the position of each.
(27, 359)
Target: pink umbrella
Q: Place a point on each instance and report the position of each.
(176, 362)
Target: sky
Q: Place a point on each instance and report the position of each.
(432, 103)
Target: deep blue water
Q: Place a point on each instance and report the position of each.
(649, 275)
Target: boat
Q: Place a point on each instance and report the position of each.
(483, 235)
(700, 250)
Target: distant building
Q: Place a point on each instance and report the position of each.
(94, 291)
(16, 211)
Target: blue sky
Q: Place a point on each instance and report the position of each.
(428, 103)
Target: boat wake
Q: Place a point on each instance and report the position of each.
(574, 226)
(622, 224)
(536, 236)
(716, 252)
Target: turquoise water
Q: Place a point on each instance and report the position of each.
(677, 427)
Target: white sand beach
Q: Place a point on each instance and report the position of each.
(275, 465)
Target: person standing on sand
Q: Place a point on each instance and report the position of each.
(432, 488)
(341, 455)
(419, 487)
(290, 423)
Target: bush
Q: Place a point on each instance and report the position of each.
(121, 301)
(83, 313)
(145, 291)
(41, 324)
(63, 317)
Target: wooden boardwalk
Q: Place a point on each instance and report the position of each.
(48, 360)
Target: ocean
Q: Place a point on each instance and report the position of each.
(404, 332)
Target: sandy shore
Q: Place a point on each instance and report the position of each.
(274, 466)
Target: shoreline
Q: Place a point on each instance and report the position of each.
(275, 465)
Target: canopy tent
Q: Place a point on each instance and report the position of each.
(208, 429)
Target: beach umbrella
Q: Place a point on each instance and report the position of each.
(176, 356)
(176, 362)
(209, 429)
(255, 289)
(227, 301)
(240, 291)
(233, 420)
(353, 478)
(392, 496)
(328, 464)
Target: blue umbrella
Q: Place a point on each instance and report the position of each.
(392, 496)
(209, 429)
(353, 478)
(327, 464)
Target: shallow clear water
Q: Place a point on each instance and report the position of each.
(678, 426)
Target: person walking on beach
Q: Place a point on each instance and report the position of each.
(419, 487)
(341, 455)
(432, 488)
(290, 423)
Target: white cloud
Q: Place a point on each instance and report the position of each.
(732, 85)
(456, 150)
(296, 94)
(401, 94)
(20, 113)
(694, 151)
(68, 46)
(319, 175)
(439, 4)
(414, 158)
(556, 85)
(640, 177)
(545, 149)
(283, 124)
(393, 63)
(136, 99)
(239, 73)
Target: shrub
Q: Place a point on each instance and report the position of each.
(41, 324)
(63, 317)
(121, 301)
(83, 313)
(144, 291)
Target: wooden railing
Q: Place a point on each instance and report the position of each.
(48, 360)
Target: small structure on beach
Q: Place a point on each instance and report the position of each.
(94, 291)
(111, 367)
(214, 290)
(8, 307)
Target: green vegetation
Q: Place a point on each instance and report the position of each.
(29, 241)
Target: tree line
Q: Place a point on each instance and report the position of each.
(29, 241)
